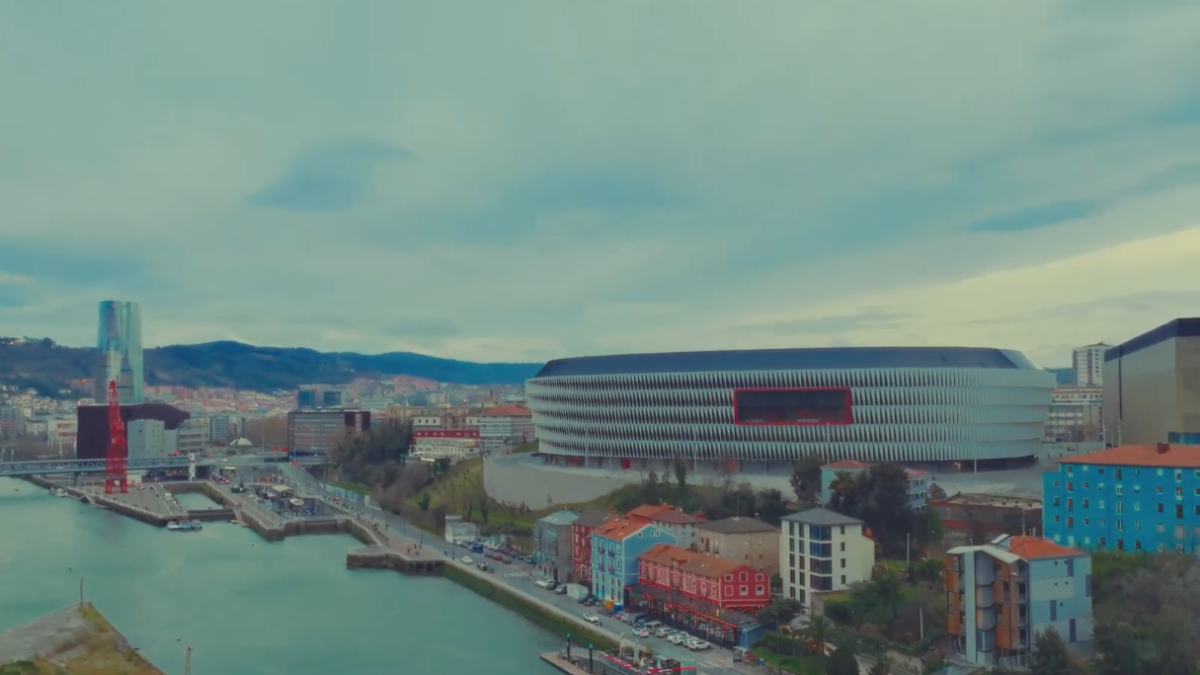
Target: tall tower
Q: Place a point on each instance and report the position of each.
(120, 342)
(1088, 363)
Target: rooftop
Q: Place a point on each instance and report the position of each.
(738, 525)
(591, 518)
(822, 517)
(1168, 331)
(648, 511)
(1161, 455)
(563, 517)
(508, 411)
(832, 358)
(700, 564)
(619, 529)
(663, 513)
(976, 499)
(1012, 548)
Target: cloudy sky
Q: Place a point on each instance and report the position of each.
(529, 179)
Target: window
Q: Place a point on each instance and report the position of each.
(1178, 476)
(1118, 474)
(758, 590)
(1120, 526)
(1085, 503)
(743, 577)
(1070, 522)
(792, 576)
(1055, 483)
(1056, 518)
(1070, 486)
(1179, 510)
(1087, 521)
(843, 530)
(744, 590)
(1137, 545)
(843, 579)
(1160, 507)
(1070, 504)
(1120, 508)
(1100, 503)
(1119, 491)
(1056, 501)
(843, 563)
(1160, 487)
(1179, 492)
(1070, 472)
(842, 546)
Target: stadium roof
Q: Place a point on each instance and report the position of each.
(834, 358)
(1178, 328)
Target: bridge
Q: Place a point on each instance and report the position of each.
(49, 466)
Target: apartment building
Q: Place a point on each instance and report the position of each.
(147, 438)
(1075, 415)
(683, 526)
(552, 545)
(616, 545)
(505, 425)
(1130, 498)
(714, 598)
(742, 540)
(581, 545)
(822, 551)
(429, 445)
(1001, 595)
(192, 436)
(1088, 364)
(918, 480)
(12, 420)
(318, 431)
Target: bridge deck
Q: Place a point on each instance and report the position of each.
(53, 466)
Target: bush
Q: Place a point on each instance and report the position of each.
(839, 611)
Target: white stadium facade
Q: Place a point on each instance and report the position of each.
(904, 404)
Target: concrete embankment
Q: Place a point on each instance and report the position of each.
(77, 639)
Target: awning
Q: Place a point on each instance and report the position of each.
(695, 606)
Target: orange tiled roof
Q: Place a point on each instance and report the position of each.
(700, 564)
(848, 464)
(1034, 548)
(619, 529)
(1164, 455)
(649, 511)
(509, 410)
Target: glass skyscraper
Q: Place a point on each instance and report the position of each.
(120, 343)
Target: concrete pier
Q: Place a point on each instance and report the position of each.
(562, 664)
(412, 562)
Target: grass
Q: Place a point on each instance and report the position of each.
(525, 449)
(96, 650)
(353, 487)
(507, 599)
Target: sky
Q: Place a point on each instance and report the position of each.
(535, 179)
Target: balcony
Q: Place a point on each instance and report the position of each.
(985, 619)
(985, 597)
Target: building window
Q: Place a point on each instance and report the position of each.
(744, 590)
(1118, 474)
(843, 530)
(1160, 489)
(1178, 476)
(842, 546)
(1056, 500)
(1070, 522)
(1120, 491)
(1179, 492)
(1085, 503)
(743, 578)
(1159, 505)
(1070, 486)
(843, 579)
(1120, 508)
(843, 563)
(1056, 518)
(758, 590)
(792, 576)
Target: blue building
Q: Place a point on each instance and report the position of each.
(1129, 498)
(616, 545)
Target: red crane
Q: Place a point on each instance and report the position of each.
(118, 450)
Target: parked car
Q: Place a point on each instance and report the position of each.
(641, 632)
(697, 645)
(466, 560)
(662, 632)
(591, 618)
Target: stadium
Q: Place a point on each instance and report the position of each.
(904, 404)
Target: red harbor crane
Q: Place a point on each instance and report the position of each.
(118, 450)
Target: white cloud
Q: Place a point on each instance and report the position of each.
(628, 176)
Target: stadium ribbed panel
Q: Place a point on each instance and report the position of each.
(898, 414)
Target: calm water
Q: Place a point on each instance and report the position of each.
(247, 607)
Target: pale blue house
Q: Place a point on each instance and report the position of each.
(616, 545)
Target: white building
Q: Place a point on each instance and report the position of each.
(192, 436)
(1088, 363)
(457, 530)
(505, 425)
(821, 551)
(454, 444)
(61, 433)
(147, 438)
(1076, 414)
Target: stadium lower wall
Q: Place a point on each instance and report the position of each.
(912, 415)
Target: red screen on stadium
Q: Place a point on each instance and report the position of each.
(824, 406)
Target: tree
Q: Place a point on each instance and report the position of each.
(1050, 656)
(423, 501)
(485, 508)
(878, 497)
(806, 479)
(842, 662)
(441, 466)
(818, 632)
(780, 612)
(681, 474)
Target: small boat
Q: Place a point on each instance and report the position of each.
(197, 525)
(173, 525)
(59, 492)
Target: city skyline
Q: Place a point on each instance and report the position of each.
(556, 183)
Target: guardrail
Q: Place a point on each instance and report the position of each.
(50, 466)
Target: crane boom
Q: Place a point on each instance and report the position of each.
(117, 458)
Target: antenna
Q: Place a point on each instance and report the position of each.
(187, 662)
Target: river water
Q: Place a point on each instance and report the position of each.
(245, 606)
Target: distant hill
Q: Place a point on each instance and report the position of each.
(48, 368)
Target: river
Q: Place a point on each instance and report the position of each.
(245, 606)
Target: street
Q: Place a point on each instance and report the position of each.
(520, 578)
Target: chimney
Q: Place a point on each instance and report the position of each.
(1163, 448)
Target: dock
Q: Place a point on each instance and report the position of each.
(560, 662)
(413, 561)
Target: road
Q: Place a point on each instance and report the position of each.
(520, 578)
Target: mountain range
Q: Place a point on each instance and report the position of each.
(48, 368)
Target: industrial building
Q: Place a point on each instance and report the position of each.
(903, 404)
(1152, 386)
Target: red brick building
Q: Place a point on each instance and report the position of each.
(581, 546)
(715, 580)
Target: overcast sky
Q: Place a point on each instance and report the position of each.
(529, 179)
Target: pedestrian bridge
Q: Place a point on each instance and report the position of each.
(49, 466)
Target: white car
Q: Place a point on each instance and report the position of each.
(641, 632)
(697, 645)
(466, 560)
(663, 632)
(591, 618)
(675, 639)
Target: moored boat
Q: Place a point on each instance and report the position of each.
(173, 525)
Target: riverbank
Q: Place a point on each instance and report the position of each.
(77, 639)
(581, 634)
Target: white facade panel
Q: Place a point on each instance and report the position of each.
(898, 414)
